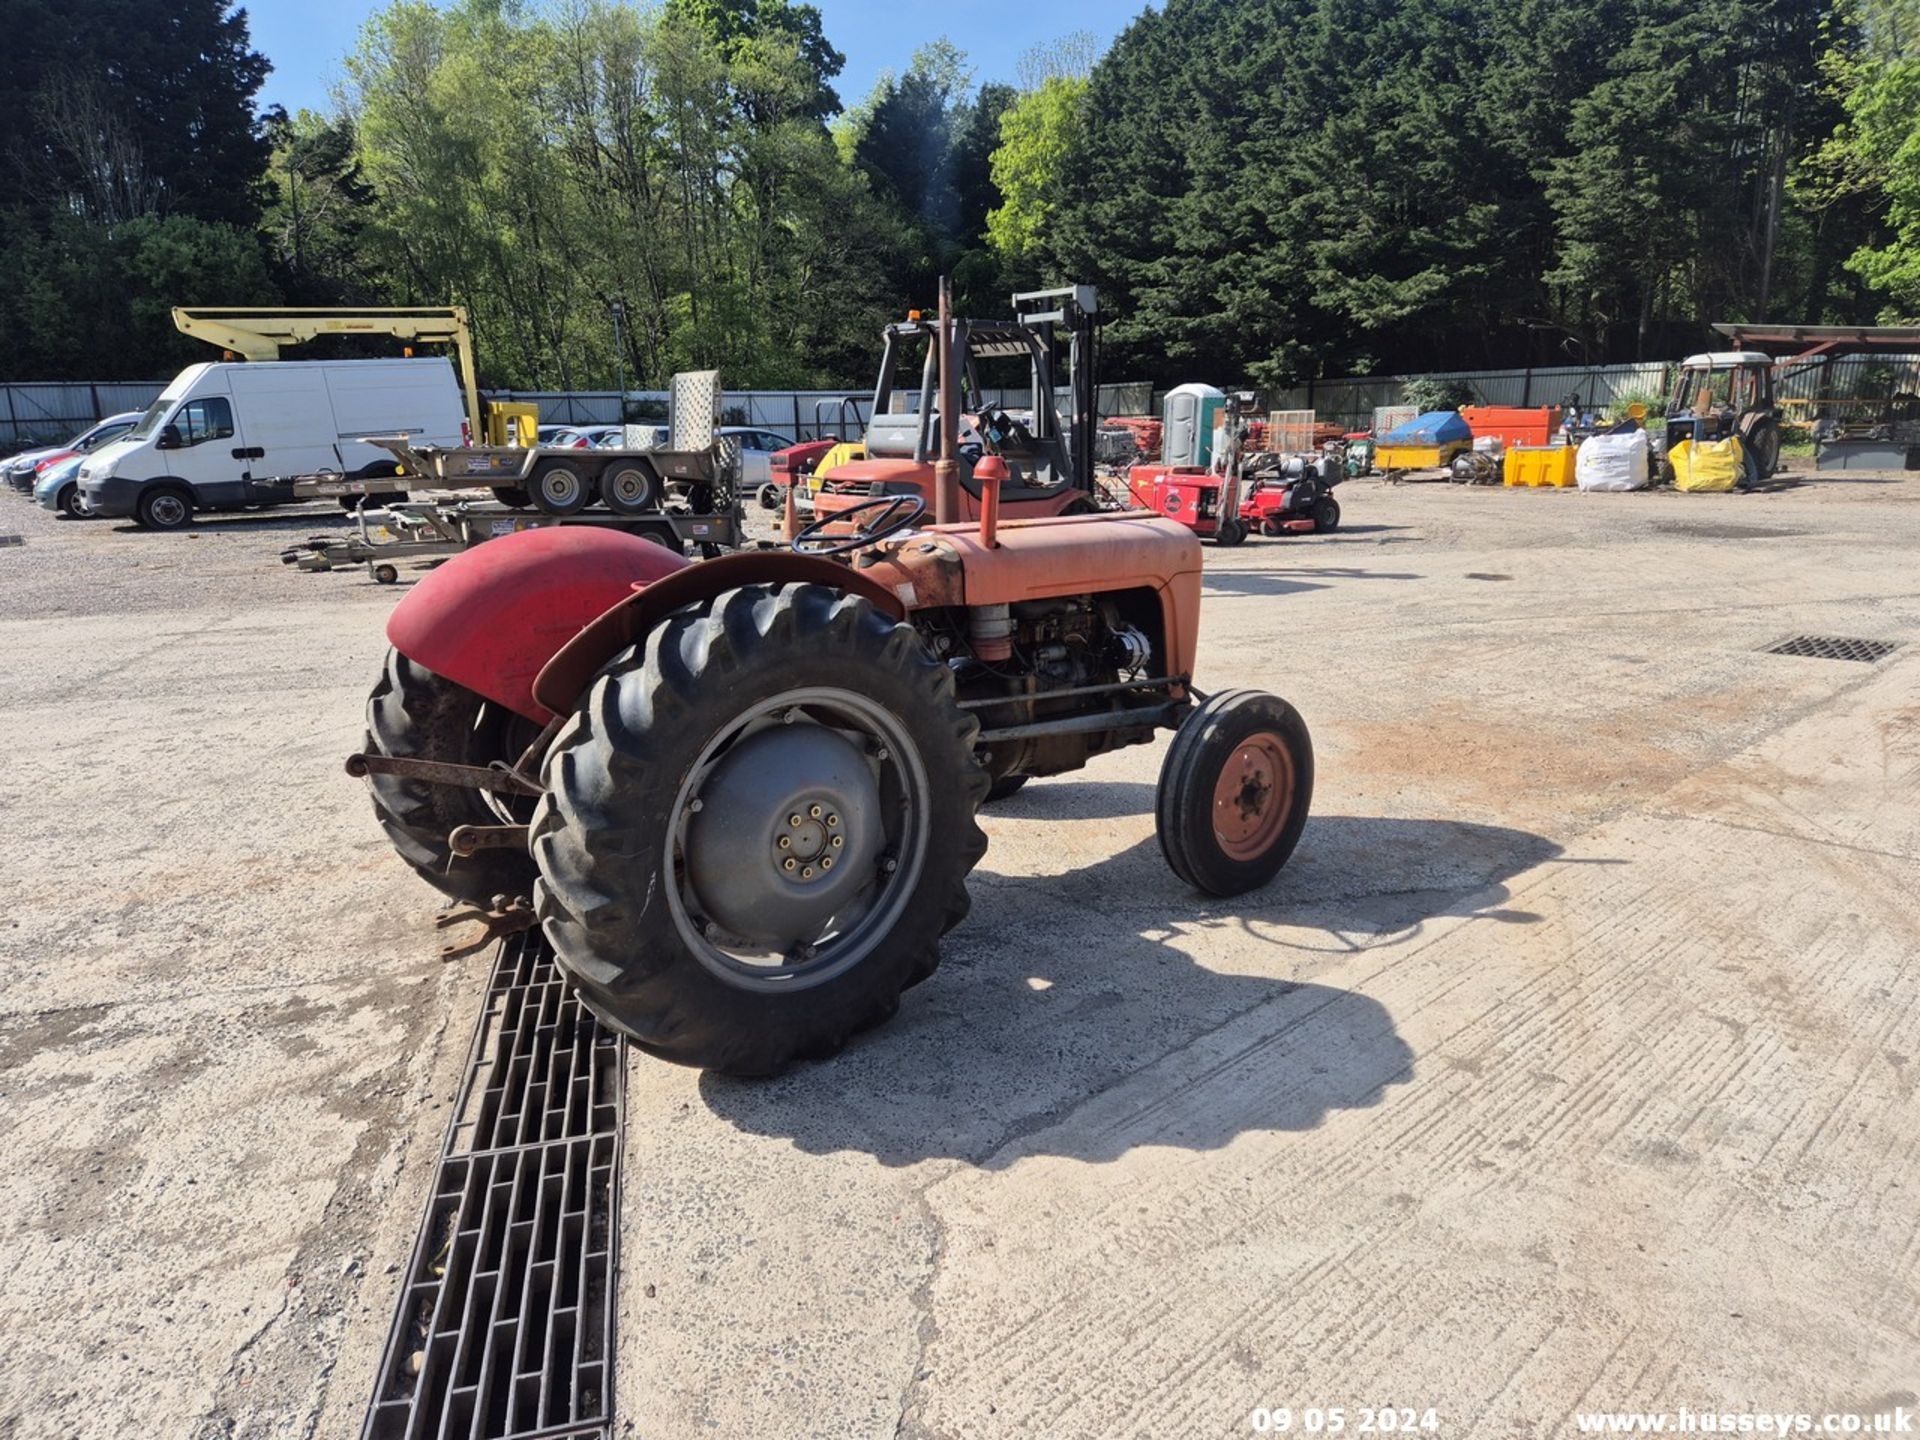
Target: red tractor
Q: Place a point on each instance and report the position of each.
(742, 792)
(1048, 458)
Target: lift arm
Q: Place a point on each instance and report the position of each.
(258, 334)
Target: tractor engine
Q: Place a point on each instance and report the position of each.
(1018, 665)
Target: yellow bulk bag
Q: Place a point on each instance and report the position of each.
(1707, 464)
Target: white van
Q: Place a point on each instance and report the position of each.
(230, 436)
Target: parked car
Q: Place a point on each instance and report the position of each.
(633, 437)
(233, 436)
(58, 487)
(21, 469)
(601, 437)
(757, 448)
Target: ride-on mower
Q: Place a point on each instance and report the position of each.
(742, 792)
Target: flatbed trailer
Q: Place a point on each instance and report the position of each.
(434, 530)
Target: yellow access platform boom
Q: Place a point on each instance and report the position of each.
(258, 334)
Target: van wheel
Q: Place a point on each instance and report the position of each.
(560, 489)
(164, 508)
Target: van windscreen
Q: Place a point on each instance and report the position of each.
(150, 421)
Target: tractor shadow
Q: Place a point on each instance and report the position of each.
(1276, 582)
(1061, 988)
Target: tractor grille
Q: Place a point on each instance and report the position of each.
(504, 1327)
(1833, 647)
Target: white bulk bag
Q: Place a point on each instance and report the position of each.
(1612, 462)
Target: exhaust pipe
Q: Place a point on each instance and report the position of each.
(946, 470)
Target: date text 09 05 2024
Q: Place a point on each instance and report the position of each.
(1338, 1419)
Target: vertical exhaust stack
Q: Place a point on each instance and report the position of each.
(946, 470)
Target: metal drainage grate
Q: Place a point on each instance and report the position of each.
(1833, 647)
(505, 1325)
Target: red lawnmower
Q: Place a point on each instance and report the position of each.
(1245, 491)
(742, 792)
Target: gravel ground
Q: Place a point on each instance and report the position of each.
(1569, 1066)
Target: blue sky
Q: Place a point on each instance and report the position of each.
(306, 38)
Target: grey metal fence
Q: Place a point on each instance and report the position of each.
(47, 413)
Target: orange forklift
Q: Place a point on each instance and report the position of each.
(1042, 460)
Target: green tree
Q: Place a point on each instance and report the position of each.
(1038, 134)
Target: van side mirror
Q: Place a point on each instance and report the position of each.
(169, 438)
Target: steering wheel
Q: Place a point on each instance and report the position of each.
(897, 513)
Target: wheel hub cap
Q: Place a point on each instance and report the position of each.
(1251, 797)
(786, 835)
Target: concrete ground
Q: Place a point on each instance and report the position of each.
(1569, 1066)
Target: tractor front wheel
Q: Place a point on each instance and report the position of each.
(1234, 791)
(414, 714)
(757, 826)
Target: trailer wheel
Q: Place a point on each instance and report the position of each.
(757, 826)
(630, 488)
(512, 496)
(1234, 791)
(559, 488)
(418, 715)
(1229, 533)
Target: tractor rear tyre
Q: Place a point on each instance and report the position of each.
(418, 715)
(1234, 791)
(560, 488)
(1229, 533)
(758, 824)
(512, 496)
(631, 488)
(1326, 515)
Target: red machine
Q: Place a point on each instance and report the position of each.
(742, 793)
(1276, 495)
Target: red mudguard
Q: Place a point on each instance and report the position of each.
(491, 617)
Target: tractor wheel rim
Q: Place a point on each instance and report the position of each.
(1252, 795)
(799, 835)
(168, 510)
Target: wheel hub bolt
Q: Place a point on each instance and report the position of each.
(837, 841)
(814, 811)
(826, 862)
(788, 863)
(806, 872)
(794, 820)
(784, 841)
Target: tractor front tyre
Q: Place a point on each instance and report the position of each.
(758, 824)
(1234, 791)
(1229, 533)
(415, 714)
